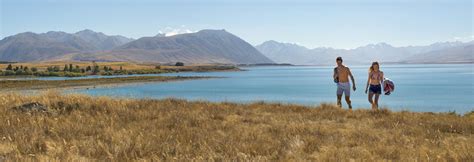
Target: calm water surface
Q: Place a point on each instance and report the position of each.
(434, 87)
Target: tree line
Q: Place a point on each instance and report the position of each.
(71, 70)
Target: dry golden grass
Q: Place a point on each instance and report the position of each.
(86, 128)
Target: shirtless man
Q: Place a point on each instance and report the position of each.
(341, 77)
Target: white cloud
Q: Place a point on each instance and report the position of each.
(463, 38)
(170, 31)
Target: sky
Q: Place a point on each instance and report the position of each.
(325, 23)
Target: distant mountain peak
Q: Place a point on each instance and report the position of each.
(160, 34)
(56, 32)
(90, 32)
(384, 52)
(271, 42)
(86, 31)
(447, 43)
(274, 44)
(378, 45)
(212, 31)
(31, 46)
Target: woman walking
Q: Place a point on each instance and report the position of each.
(374, 85)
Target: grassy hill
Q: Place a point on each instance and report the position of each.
(76, 127)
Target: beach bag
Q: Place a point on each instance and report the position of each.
(388, 86)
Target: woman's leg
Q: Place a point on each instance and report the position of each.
(376, 101)
(371, 95)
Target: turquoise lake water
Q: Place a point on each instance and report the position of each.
(427, 87)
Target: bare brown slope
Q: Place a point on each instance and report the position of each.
(206, 46)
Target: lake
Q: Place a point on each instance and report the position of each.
(425, 87)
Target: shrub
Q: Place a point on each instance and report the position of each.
(47, 73)
(20, 72)
(179, 64)
(56, 69)
(72, 74)
(8, 73)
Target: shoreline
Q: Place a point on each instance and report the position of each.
(63, 90)
(31, 85)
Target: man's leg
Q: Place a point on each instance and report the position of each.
(347, 93)
(339, 95)
(348, 100)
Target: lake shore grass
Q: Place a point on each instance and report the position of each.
(81, 128)
(12, 85)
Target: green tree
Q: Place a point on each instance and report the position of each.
(179, 64)
(66, 68)
(49, 69)
(9, 67)
(88, 68)
(56, 68)
(95, 67)
(34, 69)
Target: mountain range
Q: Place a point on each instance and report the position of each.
(212, 46)
(442, 52)
(205, 46)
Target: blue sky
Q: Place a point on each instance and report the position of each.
(331, 23)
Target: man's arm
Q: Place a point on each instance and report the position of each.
(352, 79)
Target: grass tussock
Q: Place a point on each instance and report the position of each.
(78, 127)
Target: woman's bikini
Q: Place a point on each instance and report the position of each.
(375, 77)
(375, 88)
